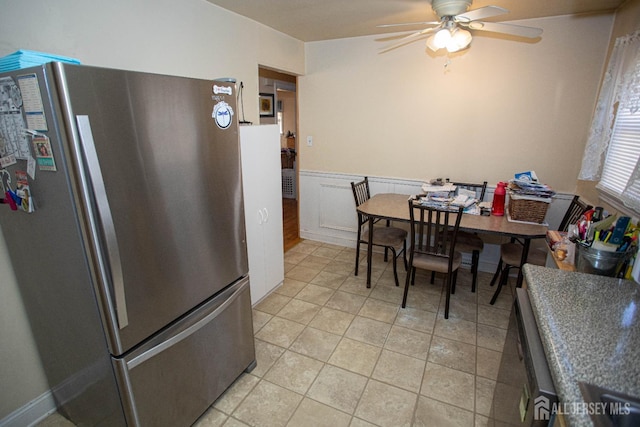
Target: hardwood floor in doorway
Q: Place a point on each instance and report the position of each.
(290, 223)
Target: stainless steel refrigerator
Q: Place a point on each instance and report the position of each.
(132, 262)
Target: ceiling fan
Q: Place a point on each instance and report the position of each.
(451, 32)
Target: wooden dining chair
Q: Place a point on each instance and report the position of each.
(511, 253)
(575, 210)
(433, 245)
(392, 239)
(511, 258)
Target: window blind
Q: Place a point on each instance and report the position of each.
(615, 128)
(624, 149)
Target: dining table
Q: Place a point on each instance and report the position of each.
(395, 207)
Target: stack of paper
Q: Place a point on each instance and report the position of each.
(463, 200)
(28, 58)
(445, 188)
(533, 189)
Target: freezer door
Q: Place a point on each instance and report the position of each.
(175, 377)
(163, 191)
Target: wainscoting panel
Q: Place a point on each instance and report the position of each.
(337, 220)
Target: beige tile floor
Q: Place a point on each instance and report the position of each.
(331, 352)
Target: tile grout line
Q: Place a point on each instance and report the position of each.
(431, 332)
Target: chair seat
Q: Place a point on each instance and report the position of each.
(391, 238)
(511, 254)
(436, 263)
(386, 236)
(468, 242)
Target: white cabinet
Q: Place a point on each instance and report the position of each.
(262, 187)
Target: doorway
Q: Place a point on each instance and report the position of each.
(282, 87)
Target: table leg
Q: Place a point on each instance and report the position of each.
(369, 251)
(523, 260)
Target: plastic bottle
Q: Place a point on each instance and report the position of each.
(497, 208)
(597, 214)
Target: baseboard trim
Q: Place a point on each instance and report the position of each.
(31, 413)
(327, 238)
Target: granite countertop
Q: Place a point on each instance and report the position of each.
(590, 330)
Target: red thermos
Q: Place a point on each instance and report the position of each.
(497, 208)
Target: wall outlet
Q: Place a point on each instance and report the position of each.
(309, 141)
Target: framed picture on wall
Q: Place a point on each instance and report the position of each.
(266, 105)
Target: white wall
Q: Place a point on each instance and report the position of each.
(21, 373)
(189, 38)
(498, 108)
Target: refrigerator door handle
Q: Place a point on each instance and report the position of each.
(189, 330)
(106, 219)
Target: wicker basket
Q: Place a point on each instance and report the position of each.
(527, 209)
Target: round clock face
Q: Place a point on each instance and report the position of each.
(223, 114)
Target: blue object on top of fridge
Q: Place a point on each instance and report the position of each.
(133, 268)
(29, 58)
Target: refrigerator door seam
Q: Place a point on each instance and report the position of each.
(185, 333)
(128, 398)
(111, 241)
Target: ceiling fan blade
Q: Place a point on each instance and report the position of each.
(407, 24)
(481, 13)
(408, 39)
(390, 37)
(499, 27)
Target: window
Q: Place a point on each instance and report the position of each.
(612, 154)
(623, 153)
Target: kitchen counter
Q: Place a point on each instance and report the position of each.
(590, 329)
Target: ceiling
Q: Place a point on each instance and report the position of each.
(314, 20)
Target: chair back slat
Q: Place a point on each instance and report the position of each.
(575, 210)
(361, 194)
(433, 230)
(361, 191)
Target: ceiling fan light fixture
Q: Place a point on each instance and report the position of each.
(455, 19)
(431, 45)
(453, 41)
(460, 39)
(441, 38)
